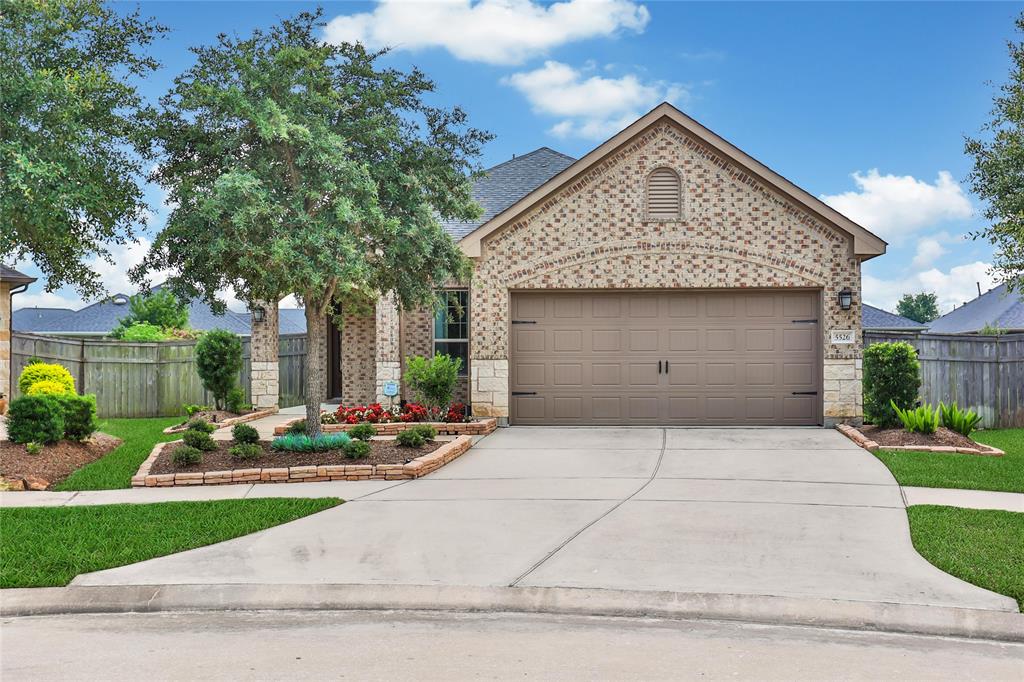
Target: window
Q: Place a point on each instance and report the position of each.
(451, 326)
(663, 195)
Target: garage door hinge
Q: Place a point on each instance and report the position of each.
(524, 392)
(805, 393)
(524, 321)
(805, 322)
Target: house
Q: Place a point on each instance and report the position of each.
(666, 277)
(11, 282)
(996, 308)
(877, 320)
(37, 319)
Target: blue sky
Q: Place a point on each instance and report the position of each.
(863, 104)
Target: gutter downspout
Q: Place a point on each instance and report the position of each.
(8, 390)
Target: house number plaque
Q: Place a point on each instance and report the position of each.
(842, 336)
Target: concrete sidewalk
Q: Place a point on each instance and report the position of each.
(794, 513)
(969, 499)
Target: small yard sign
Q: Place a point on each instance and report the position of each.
(842, 336)
(391, 388)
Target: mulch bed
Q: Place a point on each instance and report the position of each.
(382, 452)
(56, 462)
(900, 436)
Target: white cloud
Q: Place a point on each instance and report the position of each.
(592, 107)
(953, 287)
(928, 251)
(43, 299)
(893, 206)
(492, 31)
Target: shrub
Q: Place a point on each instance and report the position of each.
(363, 431)
(33, 448)
(235, 401)
(245, 451)
(48, 387)
(297, 427)
(433, 381)
(426, 430)
(79, 416)
(218, 361)
(294, 442)
(924, 419)
(160, 309)
(38, 371)
(410, 439)
(190, 409)
(35, 418)
(961, 421)
(199, 440)
(892, 376)
(185, 455)
(201, 425)
(357, 449)
(143, 332)
(243, 433)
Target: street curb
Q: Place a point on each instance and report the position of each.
(822, 613)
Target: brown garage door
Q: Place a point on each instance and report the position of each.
(729, 357)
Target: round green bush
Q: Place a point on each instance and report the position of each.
(410, 438)
(363, 431)
(185, 455)
(48, 387)
(357, 449)
(892, 375)
(297, 427)
(426, 430)
(80, 420)
(201, 425)
(199, 440)
(35, 418)
(243, 433)
(245, 451)
(43, 371)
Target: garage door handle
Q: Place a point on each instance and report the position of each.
(805, 393)
(659, 366)
(524, 392)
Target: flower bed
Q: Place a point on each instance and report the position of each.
(229, 421)
(868, 443)
(474, 428)
(419, 466)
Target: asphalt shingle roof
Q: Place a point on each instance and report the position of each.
(9, 274)
(508, 182)
(996, 307)
(876, 318)
(38, 319)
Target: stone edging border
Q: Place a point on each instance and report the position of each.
(231, 421)
(421, 466)
(477, 428)
(860, 439)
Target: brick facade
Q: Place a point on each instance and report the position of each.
(735, 232)
(265, 367)
(358, 359)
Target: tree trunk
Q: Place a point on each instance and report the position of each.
(316, 365)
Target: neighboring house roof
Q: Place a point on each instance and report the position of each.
(883, 320)
(508, 182)
(865, 244)
(291, 321)
(9, 274)
(996, 307)
(38, 319)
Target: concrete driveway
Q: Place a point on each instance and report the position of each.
(782, 512)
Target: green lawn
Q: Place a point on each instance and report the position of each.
(117, 468)
(48, 546)
(983, 547)
(954, 470)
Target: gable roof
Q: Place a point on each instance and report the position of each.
(865, 244)
(38, 319)
(504, 184)
(876, 318)
(9, 274)
(996, 307)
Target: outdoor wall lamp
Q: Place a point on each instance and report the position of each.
(845, 298)
(257, 314)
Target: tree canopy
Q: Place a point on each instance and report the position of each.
(296, 166)
(998, 173)
(922, 307)
(73, 134)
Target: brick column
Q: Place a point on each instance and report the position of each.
(264, 362)
(388, 347)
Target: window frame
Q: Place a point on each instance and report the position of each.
(464, 370)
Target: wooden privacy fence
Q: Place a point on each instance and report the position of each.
(984, 373)
(149, 379)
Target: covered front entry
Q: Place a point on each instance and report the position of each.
(730, 357)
